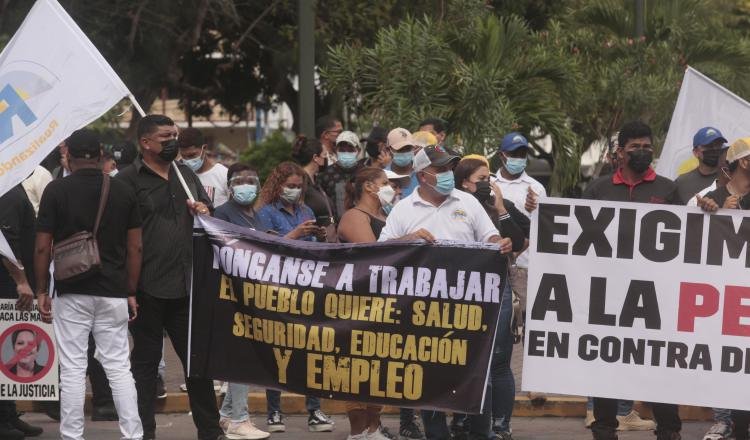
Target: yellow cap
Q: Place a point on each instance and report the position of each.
(424, 138)
(739, 149)
(477, 157)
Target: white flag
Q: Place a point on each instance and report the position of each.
(53, 81)
(701, 103)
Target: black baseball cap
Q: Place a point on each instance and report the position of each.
(84, 144)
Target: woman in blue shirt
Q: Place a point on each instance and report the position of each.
(281, 208)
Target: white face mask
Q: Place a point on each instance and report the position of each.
(386, 194)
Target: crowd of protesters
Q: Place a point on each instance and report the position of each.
(338, 187)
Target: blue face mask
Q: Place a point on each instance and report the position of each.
(195, 164)
(445, 182)
(403, 159)
(244, 194)
(347, 159)
(515, 165)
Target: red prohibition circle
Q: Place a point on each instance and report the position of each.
(41, 334)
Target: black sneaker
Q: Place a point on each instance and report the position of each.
(319, 422)
(161, 389)
(25, 428)
(411, 431)
(275, 422)
(502, 436)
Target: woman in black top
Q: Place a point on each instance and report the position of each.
(369, 195)
(473, 176)
(312, 157)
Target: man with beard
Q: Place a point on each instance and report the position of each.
(634, 181)
(708, 144)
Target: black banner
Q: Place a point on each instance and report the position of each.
(403, 324)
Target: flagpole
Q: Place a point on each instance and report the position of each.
(174, 164)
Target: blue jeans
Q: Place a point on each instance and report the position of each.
(273, 402)
(501, 375)
(501, 388)
(623, 406)
(235, 402)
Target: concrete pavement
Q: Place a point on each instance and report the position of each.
(180, 427)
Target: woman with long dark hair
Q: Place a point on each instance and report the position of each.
(473, 176)
(369, 197)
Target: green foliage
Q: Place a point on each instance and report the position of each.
(486, 76)
(266, 155)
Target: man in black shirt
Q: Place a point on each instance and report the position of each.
(98, 303)
(17, 225)
(166, 271)
(634, 181)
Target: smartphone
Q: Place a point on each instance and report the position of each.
(323, 220)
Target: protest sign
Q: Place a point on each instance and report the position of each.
(389, 323)
(28, 358)
(638, 301)
(719, 108)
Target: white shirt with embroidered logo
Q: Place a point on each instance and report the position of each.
(460, 217)
(516, 191)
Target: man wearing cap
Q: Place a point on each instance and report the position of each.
(733, 195)
(194, 154)
(403, 148)
(708, 144)
(334, 178)
(436, 210)
(376, 148)
(634, 181)
(100, 302)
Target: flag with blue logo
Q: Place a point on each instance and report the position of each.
(53, 81)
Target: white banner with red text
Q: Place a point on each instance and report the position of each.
(639, 301)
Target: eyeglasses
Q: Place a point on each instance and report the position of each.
(639, 147)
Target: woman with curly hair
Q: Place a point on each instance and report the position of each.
(281, 207)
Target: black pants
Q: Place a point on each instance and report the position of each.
(605, 415)
(155, 315)
(100, 391)
(7, 411)
(741, 421)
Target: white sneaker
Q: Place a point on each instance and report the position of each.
(589, 418)
(245, 431)
(719, 431)
(224, 423)
(633, 422)
(362, 436)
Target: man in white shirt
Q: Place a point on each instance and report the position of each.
(213, 176)
(438, 211)
(521, 189)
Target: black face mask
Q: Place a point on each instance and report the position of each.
(483, 191)
(711, 157)
(639, 160)
(168, 150)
